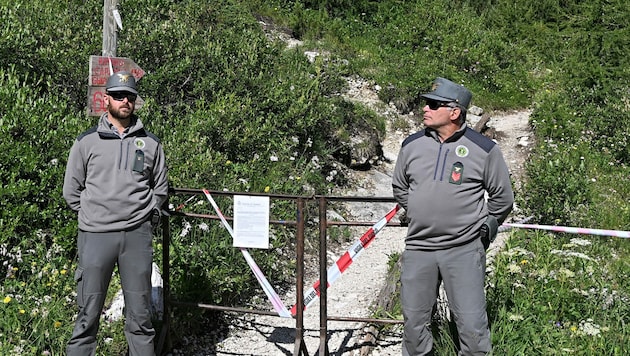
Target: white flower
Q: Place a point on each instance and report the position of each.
(580, 242)
(516, 317)
(273, 158)
(566, 272)
(589, 328)
(186, 229)
(514, 268)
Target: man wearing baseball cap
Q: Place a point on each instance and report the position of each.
(116, 181)
(441, 177)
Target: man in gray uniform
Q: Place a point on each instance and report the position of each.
(441, 176)
(116, 180)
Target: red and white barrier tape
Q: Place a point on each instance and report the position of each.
(573, 230)
(335, 271)
(274, 298)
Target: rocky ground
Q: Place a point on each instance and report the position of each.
(355, 292)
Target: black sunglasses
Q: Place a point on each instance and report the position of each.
(121, 95)
(434, 104)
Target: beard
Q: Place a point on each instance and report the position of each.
(123, 112)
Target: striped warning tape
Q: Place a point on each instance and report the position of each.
(335, 271)
(572, 230)
(274, 298)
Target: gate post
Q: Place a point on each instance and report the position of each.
(323, 278)
(300, 346)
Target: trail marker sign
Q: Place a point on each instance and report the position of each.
(100, 69)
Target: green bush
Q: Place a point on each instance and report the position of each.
(37, 130)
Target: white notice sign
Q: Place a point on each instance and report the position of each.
(251, 221)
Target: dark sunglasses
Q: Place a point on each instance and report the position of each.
(121, 95)
(434, 104)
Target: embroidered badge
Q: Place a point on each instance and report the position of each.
(139, 143)
(457, 172)
(124, 78)
(461, 151)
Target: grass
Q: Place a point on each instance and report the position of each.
(557, 294)
(553, 294)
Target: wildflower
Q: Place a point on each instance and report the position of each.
(57, 324)
(513, 268)
(574, 328)
(228, 162)
(580, 242)
(63, 271)
(22, 311)
(204, 227)
(273, 158)
(7, 300)
(516, 317)
(524, 262)
(566, 272)
(589, 328)
(571, 254)
(186, 229)
(267, 188)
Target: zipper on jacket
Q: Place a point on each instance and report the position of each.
(444, 164)
(127, 154)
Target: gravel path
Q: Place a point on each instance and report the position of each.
(355, 292)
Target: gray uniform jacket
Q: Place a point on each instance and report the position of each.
(115, 182)
(442, 187)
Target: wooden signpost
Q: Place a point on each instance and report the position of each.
(100, 69)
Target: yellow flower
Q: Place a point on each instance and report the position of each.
(63, 271)
(57, 324)
(22, 311)
(524, 262)
(228, 162)
(7, 300)
(574, 328)
(267, 189)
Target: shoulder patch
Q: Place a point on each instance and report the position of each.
(87, 132)
(480, 140)
(413, 137)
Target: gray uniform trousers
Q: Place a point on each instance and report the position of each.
(98, 254)
(462, 270)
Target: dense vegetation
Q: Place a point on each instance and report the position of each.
(240, 112)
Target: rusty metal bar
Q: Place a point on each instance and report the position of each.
(227, 309)
(367, 320)
(323, 277)
(300, 345)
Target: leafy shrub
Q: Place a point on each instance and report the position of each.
(37, 131)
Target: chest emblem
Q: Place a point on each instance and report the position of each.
(461, 151)
(457, 172)
(139, 143)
